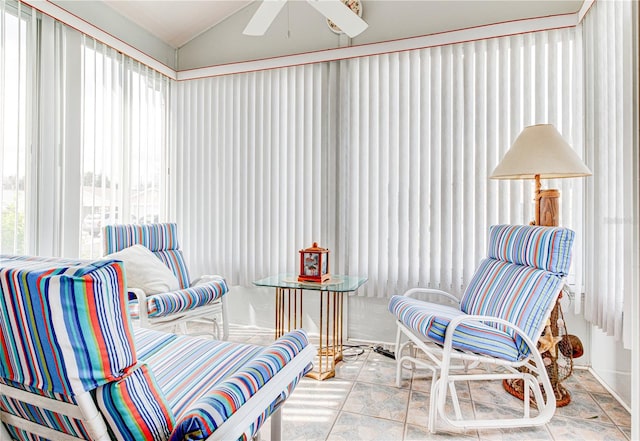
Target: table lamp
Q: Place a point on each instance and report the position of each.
(540, 152)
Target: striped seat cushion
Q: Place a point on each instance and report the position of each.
(161, 305)
(211, 410)
(161, 239)
(66, 322)
(547, 248)
(132, 400)
(186, 366)
(431, 320)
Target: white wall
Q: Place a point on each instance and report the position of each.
(612, 364)
(365, 318)
(299, 28)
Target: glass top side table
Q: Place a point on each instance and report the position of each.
(289, 294)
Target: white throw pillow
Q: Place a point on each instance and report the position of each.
(145, 271)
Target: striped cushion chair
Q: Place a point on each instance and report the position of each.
(498, 321)
(72, 367)
(202, 298)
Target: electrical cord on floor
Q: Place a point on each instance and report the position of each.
(353, 351)
(382, 351)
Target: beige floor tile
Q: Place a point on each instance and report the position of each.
(583, 407)
(582, 379)
(378, 401)
(379, 369)
(418, 413)
(613, 409)
(308, 423)
(352, 427)
(569, 429)
(418, 433)
(331, 393)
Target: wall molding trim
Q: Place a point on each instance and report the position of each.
(476, 33)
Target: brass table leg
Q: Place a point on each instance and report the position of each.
(289, 317)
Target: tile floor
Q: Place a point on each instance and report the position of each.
(362, 403)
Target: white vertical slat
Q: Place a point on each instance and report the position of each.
(437, 219)
(414, 160)
(424, 187)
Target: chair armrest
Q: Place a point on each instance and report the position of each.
(141, 297)
(243, 401)
(206, 279)
(414, 291)
(457, 321)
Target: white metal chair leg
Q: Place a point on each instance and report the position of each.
(276, 425)
(225, 319)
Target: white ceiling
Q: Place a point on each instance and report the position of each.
(178, 22)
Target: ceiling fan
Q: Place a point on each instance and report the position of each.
(335, 10)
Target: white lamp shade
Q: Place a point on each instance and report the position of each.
(540, 150)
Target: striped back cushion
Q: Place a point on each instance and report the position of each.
(516, 283)
(547, 248)
(64, 324)
(162, 239)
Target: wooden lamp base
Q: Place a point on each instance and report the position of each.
(547, 215)
(547, 202)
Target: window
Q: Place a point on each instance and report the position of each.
(15, 138)
(124, 138)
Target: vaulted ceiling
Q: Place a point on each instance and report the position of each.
(178, 22)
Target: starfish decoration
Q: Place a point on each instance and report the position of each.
(548, 342)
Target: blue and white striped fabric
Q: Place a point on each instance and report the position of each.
(65, 330)
(186, 366)
(547, 248)
(211, 410)
(61, 423)
(134, 399)
(64, 323)
(163, 304)
(518, 283)
(432, 320)
(161, 239)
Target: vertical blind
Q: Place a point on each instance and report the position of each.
(612, 194)
(383, 159)
(425, 129)
(251, 170)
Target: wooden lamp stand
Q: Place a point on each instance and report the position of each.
(547, 203)
(547, 215)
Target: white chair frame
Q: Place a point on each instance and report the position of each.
(86, 411)
(180, 319)
(440, 361)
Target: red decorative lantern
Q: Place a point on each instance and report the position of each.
(314, 264)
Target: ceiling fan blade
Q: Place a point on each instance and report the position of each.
(263, 17)
(339, 13)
